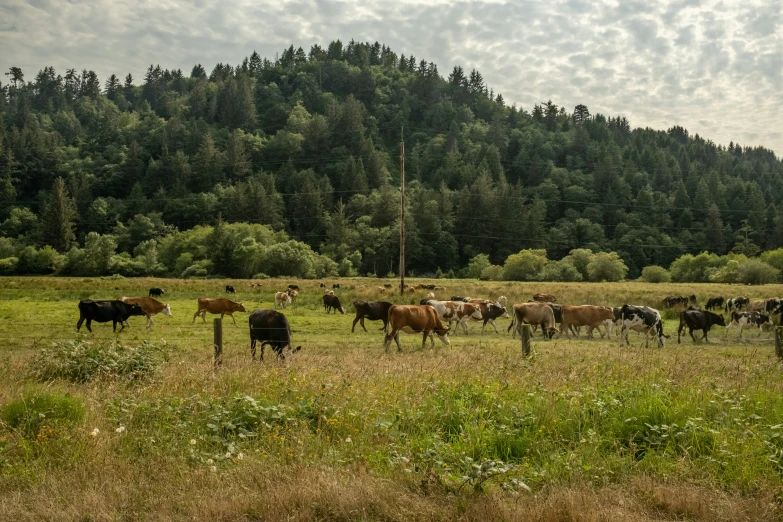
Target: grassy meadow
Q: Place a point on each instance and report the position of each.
(138, 425)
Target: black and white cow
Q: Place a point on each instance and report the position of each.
(270, 327)
(699, 320)
(714, 302)
(230, 289)
(642, 319)
(104, 311)
(745, 320)
(736, 303)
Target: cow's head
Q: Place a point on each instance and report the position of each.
(717, 319)
(241, 307)
(551, 331)
(167, 310)
(661, 336)
(476, 314)
(136, 310)
(342, 310)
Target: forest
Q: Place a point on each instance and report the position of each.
(291, 166)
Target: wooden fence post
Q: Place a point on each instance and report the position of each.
(525, 333)
(218, 341)
(779, 342)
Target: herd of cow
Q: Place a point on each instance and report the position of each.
(435, 317)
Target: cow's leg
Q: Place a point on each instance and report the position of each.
(425, 334)
(149, 322)
(79, 324)
(679, 332)
(492, 322)
(464, 324)
(232, 318)
(194, 316)
(705, 336)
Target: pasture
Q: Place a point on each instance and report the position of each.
(343, 431)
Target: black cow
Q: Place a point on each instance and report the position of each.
(272, 328)
(714, 302)
(372, 310)
(427, 287)
(425, 301)
(458, 298)
(699, 320)
(642, 319)
(293, 287)
(332, 301)
(156, 292)
(105, 311)
(230, 289)
(736, 303)
(336, 285)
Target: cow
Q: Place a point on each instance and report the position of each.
(336, 285)
(736, 303)
(745, 320)
(230, 289)
(456, 311)
(104, 311)
(293, 287)
(372, 310)
(458, 298)
(333, 302)
(489, 312)
(698, 320)
(282, 299)
(427, 287)
(270, 327)
(387, 285)
(256, 285)
(535, 313)
(328, 292)
(293, 294)
(155, 292)
(714, 302)
(430, 295)
(322, 285)
(544, 298)
(381, 288)
(771, 305)
(150, 306)
(555, 310)
(642, 319)
(217, 306)
(586, 315)
(502, 301)
(415, 319)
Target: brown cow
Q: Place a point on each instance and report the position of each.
(415, 319)
(586, 315)
(544, 298)
(536, 313)
(150, 306)
(217, 306)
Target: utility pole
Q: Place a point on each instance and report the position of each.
(402, 211)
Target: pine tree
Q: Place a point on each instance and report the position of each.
(58, 218)
(713, 228)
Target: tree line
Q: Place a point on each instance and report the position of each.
(308, 146)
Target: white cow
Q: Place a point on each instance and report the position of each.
(456, 311)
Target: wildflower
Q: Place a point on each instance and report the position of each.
(228, 454)
(120, 429)
(210, 461)
(163, 341)
(240, 456)
(192, 442)
(348, 440)
(213, 469)
(95, 432)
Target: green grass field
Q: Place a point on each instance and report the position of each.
(343, 431)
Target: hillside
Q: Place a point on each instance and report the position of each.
(308, 144)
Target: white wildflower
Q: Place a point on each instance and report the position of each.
(95, 432)
(192, 442)
(240, 456)
(210, 461)
(120, 429)
(213, 469)
(348, 440)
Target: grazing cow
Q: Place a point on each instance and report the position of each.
(430, 295)
(673, 300)
(336, 285)
(381, 289)
(217, 306)
(642, 319)
(333, 302)
(698, 320)
(105, 311)
(328, 292)
(489, 312)
(745, 320)
(155, 292)
(544, 298)
(256, 285)
(415, 319)
(535, 313)
(412, 290)
(322, 285)
(282, 299)
(458, 298)
(387, 285)
(230, 289)
(150, 306)
(293, 287)
(586, 315)
(555, 310)
(736, 303)
(456, 311)
(270, 327)
(427, 287)
(293, 294)
(714, 302)
(372, 310)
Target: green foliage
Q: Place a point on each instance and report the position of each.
(726, 274)
(579, 258)
(774, 258)
(8, 265)
(693, 269)
(492, 273)
(524, 266)
(477, 265)
(84, 361)
(607, 266)
(656, 274)
(31, 412)
(562, 270)
(756, 272)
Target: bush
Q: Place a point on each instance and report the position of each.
(83, 361)
(580, 258)
(607, 266)
(694, 269)
(757, 272)
(727, 274)
(477, 265)
(29, 413)
(8, 265)
(656, 274)
(346, 269)
(492, 273)
(774, 258)
(561, 270)
(524, 266)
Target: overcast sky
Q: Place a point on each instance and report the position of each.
(714, 67)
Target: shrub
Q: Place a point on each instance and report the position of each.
(607, 266)
(727, 274)
(492, 273)
(477, 265)
(694, 269)
(29, 413)
(774, 258)
(83, 361)
(656, 274)
(757, 272)
(8, 265)
(561, 270)
(580, 258)
(524, 266)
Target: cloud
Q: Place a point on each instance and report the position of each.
(714, 67)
